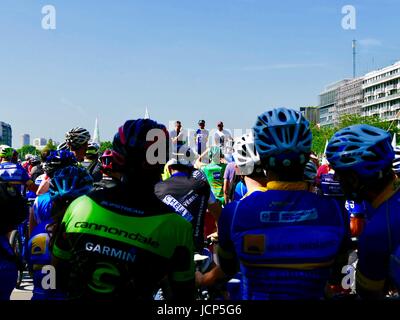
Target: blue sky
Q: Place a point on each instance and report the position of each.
(214, 59)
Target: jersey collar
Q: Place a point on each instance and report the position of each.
(387, 193)
(287, 186)
(262, 189)
(179, 174)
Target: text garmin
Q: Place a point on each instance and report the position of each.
(110, 252)
(115, 231)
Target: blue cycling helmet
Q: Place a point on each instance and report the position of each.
(310, 172)
(365, 149)
(134, 139)
(283, 138)
(69, 183)
(58, 159)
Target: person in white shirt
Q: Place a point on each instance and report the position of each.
(223, 138)
(201, 137)
(178, 137)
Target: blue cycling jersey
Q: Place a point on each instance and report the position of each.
(240, 191)
(395, 267)
(355, 208)
(42, 208)
(286, 240)
(8, 269)
(380, 242)
(38, 247)
(13, 172)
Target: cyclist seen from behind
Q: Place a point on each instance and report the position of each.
(77, 140)
(66, 184)
(12, 172)
(286, 238)
(91, 161)
(215, 172)
(120, 242)
(188, 193)
(362, 157)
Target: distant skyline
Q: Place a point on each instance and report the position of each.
(224, 60)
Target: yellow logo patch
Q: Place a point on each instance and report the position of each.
(254, 244)
(39, 244)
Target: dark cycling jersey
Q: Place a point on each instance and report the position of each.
(93, 167)
(188, 196)
(118, 243)
(105, 182)
(330, 186)
(380, 240)
(286, 240)
(13, 207)
(36, 171)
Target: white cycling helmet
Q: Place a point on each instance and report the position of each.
(396, 160)
(245, 155)
(62, 146)
(185, 157)
(77, 137)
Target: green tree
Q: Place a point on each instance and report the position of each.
(50, 145)
(104, 146)
(349, 120)
(322, 134)
(28, 149)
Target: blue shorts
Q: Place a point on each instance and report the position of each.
(8, 278)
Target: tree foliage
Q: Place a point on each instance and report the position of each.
(27, 149)
(323, 134)
(50, 145)
(104, 146)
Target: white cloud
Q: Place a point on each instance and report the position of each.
(370, 42)
(74, 107)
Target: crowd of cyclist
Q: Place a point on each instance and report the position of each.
(284, 222)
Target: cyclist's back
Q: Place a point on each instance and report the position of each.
(188, 194)
(13, 173)
(362, 156)
(285, 238)
(215, 173)
(119, 242)
(133, 239)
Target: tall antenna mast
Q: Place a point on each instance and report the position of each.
(354, 58)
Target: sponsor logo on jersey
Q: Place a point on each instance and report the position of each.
(254, 244)
(118, 232)
(178, 207)
(288, 216)
(110, 252)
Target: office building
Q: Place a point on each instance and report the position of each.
(5, 134)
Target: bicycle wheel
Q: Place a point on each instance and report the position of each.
(16, 245)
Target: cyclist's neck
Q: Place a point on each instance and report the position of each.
(377, 198)
(254, 183)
